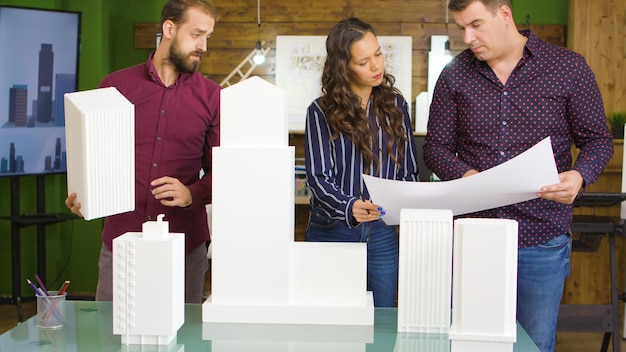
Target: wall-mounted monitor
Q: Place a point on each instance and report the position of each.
(39, 51)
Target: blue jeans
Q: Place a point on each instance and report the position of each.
(541, 275)
(382, 251)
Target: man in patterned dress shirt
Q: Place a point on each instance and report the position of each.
(498, 98)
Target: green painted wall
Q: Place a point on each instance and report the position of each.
(72, 247)
(540, 12)
(124, 14)
(107, 45)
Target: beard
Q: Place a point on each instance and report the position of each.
(181, 61)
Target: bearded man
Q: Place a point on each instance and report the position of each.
(176, 125)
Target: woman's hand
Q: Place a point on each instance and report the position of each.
(365, 210)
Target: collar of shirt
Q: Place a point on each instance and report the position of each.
(154, 75)
(531, 49)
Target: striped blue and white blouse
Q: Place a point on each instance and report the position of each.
(334, 168)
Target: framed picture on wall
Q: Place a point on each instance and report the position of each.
(300, 61)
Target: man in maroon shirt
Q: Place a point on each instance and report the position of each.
(177, 124)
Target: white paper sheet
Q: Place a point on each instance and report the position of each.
(513, 181)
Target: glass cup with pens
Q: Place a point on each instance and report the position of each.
(50, 305)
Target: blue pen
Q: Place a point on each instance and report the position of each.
(54, 311)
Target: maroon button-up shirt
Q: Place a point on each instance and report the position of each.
(175, 130)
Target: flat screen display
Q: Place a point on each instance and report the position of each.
(39, 51)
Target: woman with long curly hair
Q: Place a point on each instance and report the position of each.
(360, 125)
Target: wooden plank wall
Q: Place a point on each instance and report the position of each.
(236, 31)
(597, 30)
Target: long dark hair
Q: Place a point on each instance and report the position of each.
(343, 107)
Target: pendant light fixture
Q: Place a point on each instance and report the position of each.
(259, 57)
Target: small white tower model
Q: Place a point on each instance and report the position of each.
(424, 280)
(438, 58)
(484, 289)
(259, 274)
(425, 270)
(149, 284)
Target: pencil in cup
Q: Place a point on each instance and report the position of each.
(42, 287)
(43, 298)
(60, 293)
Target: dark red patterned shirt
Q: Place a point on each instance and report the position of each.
(476, 122)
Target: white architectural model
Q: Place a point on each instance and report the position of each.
(425, 271)
(259, 274)
(483, 283)
(227, 337)
(149, 284)
(100, 134)
(484, 289)
(438, 57)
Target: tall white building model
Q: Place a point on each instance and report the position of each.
(484, 288)
(149, 284)
(100, 134)
(425, 270)
(259, 274)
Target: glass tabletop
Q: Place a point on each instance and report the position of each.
(89, 327)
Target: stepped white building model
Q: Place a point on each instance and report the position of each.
(259, 273)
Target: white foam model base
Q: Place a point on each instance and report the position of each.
(480, 346)
(148, 339)
(173, 346)
(326, 284)
(289, 314)
(227, 337)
